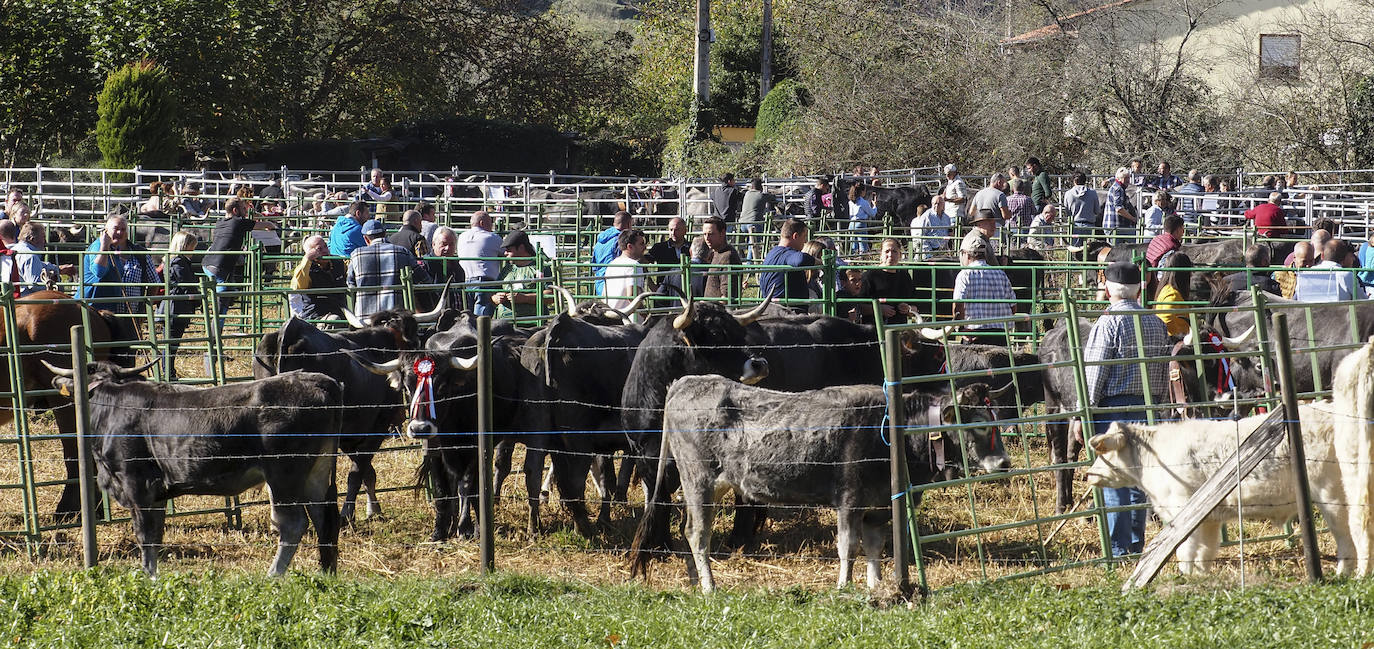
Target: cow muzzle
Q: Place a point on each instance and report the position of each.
(755, 370)
(418, 429)
(996, 464)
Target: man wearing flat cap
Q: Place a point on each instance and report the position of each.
(377, 266)
(1113, 336)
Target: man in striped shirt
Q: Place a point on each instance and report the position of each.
(1113, 336)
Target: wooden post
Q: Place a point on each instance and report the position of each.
(701, 66)
(484, 507)
(896, 435)
(1282, 352)
(85, 472)
(766, 52)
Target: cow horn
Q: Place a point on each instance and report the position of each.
(139, 370)
(59, 371)
(634, 304)
(433, 315)
(465, 364)
(755, 313)
(567, 295)
(1188, 338)
(1236, 340)
(1074, 249)
(383, 369)
(1002, 391)
(353, 319)
(933, 333)
(684, 319)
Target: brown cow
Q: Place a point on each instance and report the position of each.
(42, 322)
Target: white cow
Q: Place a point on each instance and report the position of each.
(1353, 387)
(1170, 461)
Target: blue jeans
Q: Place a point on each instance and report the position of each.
(479, 299)
(752, 240)
(1081, 233)
(858, 230)
(1125, 529)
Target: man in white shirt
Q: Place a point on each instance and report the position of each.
(956, 194)
(480, 241)
(624, 276)
(1337, 283)
(994, 198)
(930, 230)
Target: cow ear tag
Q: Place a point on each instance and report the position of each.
(63, 389)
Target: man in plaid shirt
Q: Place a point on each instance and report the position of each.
(1118, 216)
(378, 264)
(978, 282)
(1113, 336)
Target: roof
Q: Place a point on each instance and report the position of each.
(1057, 29)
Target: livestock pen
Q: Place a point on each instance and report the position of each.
(976, 528)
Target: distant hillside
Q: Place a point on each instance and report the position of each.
(604, 16)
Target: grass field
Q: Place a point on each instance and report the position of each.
(114, 608)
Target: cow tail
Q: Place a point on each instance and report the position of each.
(654, 519)
(422, 472)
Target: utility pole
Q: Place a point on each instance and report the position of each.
(766, 53)
(701, 69)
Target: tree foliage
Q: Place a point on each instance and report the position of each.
(779, 109)
(137, 118)
(48, 102)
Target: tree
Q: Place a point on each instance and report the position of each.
(47, 103)
(1362, 122)
(136, 118)
(779, 109)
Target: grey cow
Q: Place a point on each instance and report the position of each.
(822, 447)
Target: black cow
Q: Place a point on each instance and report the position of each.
(898, 205)
(582, 367)
(1335, 330)
(157, 441)
(824, 448)
(372, 402)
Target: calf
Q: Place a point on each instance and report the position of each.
(157, 441)
(1170, 461)
(823, 447)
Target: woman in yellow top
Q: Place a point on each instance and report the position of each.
(1173, 290)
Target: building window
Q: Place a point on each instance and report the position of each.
(1279, 56)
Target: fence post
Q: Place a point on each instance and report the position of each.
(484, 508)
(896, 434)
(1283, 354)
(85, 472)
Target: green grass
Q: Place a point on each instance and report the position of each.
(117, 608)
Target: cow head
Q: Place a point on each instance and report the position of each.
(439, 387)
(972, 404)
(1227, 376)
(711, 339)
(1116, 465)
(97, 373)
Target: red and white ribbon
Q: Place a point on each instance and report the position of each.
(424, 389)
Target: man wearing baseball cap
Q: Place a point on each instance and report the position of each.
(1113, 336)
(956, 194)
(378, 265)
(989, 288)
(523, 291)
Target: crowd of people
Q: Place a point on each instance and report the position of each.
(369, 238)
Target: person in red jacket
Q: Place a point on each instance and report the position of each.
(1268, 217)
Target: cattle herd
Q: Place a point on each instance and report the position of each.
(778, 407)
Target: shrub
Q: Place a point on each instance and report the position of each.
(136, 113)
(779, 109)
